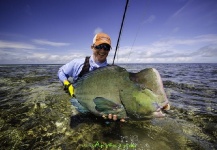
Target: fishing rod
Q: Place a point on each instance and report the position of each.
(117, 45)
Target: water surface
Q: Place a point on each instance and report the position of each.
(35, 113)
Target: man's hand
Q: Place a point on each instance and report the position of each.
(68, 87)
(113, 117)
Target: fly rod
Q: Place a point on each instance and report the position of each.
(117, 45)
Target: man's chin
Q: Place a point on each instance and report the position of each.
(100, 58)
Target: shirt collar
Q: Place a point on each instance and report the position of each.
(94, 64)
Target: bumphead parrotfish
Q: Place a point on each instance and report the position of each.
(113, 90)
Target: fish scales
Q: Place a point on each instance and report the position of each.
(110, 90)
(104, 83)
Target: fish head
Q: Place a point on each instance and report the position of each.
(150, 78)
(151, 96)
(144, 104)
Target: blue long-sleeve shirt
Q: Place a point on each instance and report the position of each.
(74, 67)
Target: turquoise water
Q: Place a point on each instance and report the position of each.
(35, 113)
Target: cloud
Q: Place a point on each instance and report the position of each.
(207, 51)
(97, 30)
(15, 45)
(49, 43)
(170, 42)
(201, 48)
(207, 38)
(19, 52)
(182, 9)
(150, 19)
(23, 56)
(198, 49)
(176, 29)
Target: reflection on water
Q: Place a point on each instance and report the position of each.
(35, 113)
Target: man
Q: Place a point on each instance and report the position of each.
(78, 67)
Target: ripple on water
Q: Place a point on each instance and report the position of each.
(35, 113)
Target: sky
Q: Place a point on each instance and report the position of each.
(154, 31)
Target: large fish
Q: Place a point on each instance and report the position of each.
(113, 90)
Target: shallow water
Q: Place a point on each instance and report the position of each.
(35, 113)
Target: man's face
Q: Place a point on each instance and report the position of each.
(100, 52)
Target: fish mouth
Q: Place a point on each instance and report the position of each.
(158, 113)
(166, 107)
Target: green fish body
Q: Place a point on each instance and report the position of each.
(113, 90)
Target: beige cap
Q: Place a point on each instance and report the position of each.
(101, 38)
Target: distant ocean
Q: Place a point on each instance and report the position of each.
(35, 113)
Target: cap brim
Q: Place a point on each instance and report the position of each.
(98, 43)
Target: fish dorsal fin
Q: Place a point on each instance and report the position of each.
(103, 104)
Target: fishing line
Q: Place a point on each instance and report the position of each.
(120, 31)
(138, 29)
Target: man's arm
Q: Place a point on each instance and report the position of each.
(71, 69)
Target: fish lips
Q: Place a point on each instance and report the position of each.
(158, 113)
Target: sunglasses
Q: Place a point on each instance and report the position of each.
(103, 46)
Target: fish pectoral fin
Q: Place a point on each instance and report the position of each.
(78, 106)
(103, 104)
